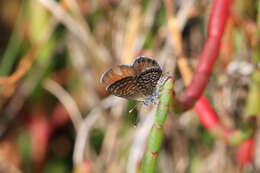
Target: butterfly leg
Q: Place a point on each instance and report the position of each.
(146, 102)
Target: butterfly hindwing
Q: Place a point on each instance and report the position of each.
(143, 62)
(126, 87)
(147, 80)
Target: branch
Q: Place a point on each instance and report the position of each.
(65, 98)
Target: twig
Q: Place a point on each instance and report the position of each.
(183, 13)
(138, 146)
(80, 60)
(78, 30)
(85, 126)
(60, 14)
(68, 102)
(146, 24)
(119, 24)
(16, 102)
(132, 29)
(22, 68)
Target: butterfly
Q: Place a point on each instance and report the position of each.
(136, 82)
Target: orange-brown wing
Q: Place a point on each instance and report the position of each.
(114, 74)
(143, 62)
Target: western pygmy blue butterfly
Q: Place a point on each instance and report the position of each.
(140, 81)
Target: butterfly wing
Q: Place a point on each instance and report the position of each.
(141, 63)
(126, 87)
(114, 74)
(121, 82)
(147, 80)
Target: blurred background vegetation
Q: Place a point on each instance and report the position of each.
(55, 116)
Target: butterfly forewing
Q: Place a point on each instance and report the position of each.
(147, 80)
(114, 74)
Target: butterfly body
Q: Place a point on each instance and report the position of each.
(137, 81)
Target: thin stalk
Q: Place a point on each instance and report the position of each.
(156, 134)
(9, 57)
(253, 100)
(258, 18)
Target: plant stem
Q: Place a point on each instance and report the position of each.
(253, 100)
(156, 134)
(217, 24)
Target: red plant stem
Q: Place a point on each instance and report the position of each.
(218, 20)
(211, 122)
(208, 117)
(206, 113)
(245, 152)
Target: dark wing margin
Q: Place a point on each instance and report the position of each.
(143, 62)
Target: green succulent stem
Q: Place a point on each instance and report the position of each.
(253, 99)
(156, 134)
